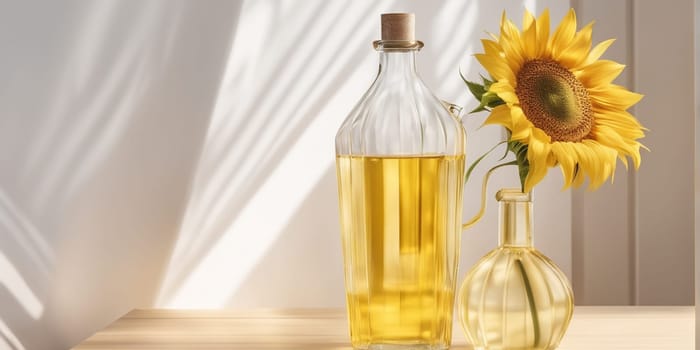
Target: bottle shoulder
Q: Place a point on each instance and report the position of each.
(513, 263)
(400, 116)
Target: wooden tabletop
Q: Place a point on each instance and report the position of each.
(600, 328)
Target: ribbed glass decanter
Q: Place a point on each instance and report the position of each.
(515, 298)
(400, 164)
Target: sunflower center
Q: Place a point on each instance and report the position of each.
(554, 100)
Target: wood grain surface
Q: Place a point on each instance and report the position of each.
(600, 328)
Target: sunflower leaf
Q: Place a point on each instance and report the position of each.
(523, 170)
(505, 154)
(476, 89)
(520, 151)
(479, 108)
(495, 102)
(488, 100)
(487, 82)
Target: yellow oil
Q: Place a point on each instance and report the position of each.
(401, 223)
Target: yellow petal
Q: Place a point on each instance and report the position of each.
(528, 19)
(542, 33)
(512, 45)
(636, 157)
(629, 133)
(583, 158)
(565, 157)
(579, 178)
(601, 162)
(614, 96)
(598, 51)
(620, 119)
(501, 116)
(577, 51)
(540, 135)
(529, 36)
(609, 162)
(537, 155)
(513, 57)
(505, 91)
(599, 73)
(510, 32)
(623, 159)
(491, 48)
(522, 127)
(494, 37)
(563, 34)
(608, 113)
(610, 138)
(496, 67)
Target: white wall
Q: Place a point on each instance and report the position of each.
(180, 153)
(104, 106)
(633, 241)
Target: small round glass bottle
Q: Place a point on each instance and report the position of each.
(515, 298)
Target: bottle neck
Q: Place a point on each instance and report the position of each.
(515, 227)
(397, 64)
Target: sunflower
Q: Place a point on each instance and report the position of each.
(556, 97)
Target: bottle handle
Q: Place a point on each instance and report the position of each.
(480, 214)
(456, 111)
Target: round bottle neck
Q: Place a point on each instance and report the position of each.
(515, 211)
(513, 195)
(397, 45)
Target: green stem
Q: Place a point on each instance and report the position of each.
(484, 187)
(531, 301)
(478, 160)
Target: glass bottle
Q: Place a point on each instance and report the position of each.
(515, 297)
(400, 165)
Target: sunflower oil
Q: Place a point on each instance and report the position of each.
(401, 223)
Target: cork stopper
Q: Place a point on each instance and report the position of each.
(398, 26)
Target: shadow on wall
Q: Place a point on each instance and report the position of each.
(305, 262)
(25, 261)
(105, 108)
(269, 143)
(263, 209)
